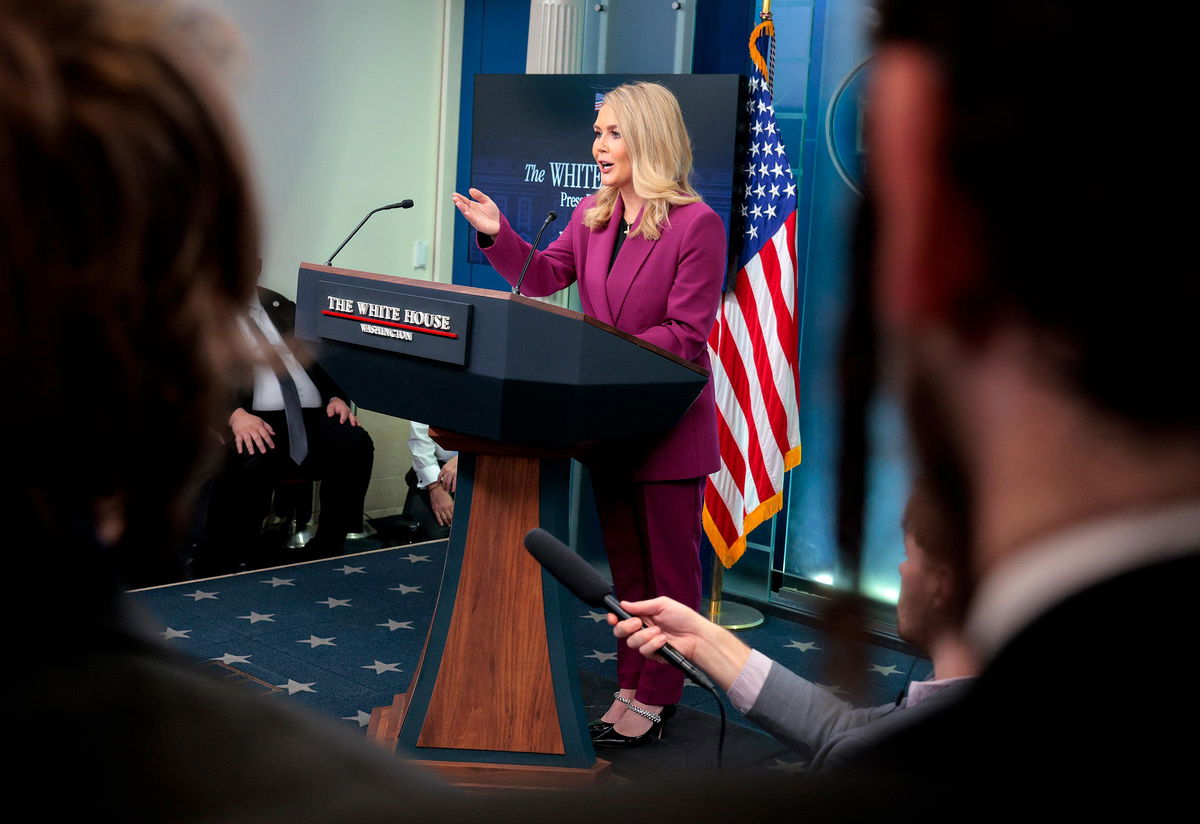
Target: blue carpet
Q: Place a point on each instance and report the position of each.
(343, 635)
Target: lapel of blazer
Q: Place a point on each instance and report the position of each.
(626, 269)
(595, 273)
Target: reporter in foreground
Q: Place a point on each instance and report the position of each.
(809, 719)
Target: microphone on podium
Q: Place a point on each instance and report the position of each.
(550, 218)
(403, 204)
(589, 586)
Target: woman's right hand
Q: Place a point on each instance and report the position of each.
(480, 211)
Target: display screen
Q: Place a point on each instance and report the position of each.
(532, 142)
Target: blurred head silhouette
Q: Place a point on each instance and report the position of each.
(127, 237)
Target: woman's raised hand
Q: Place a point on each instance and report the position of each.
(480, 211)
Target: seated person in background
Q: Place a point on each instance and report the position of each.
(294, 424)
(806, 717)
(431, 485)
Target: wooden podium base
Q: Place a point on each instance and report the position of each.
(384, 729)
(494, 700)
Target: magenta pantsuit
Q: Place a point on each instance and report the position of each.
(666, 292)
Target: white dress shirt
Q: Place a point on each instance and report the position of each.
(427, 456)
(1048, 571)
(268, 397)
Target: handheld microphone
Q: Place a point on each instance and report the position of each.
(550, 218)
(589, 586)
(403, 204)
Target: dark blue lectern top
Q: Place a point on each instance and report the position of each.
(487, 363)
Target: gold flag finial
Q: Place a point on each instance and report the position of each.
(766, 12)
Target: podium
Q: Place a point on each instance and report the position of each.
(518, 387)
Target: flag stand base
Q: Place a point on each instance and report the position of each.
(728, 614)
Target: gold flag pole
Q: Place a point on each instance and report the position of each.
(731, 614)
(728, 614)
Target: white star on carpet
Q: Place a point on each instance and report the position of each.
(294, 687)
(803, 646)
(595, 616)
(255, 617)
(380, 667)
(349, 570)
(280, 582)
(403, 590)
(395, 625)
(332, 602)
(201, 595)
(882, 670)
(602, 656)
(229, 658)
(169, 633)
(313, 641)
(413, 559)
(363, 718)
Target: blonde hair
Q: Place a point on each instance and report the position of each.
(660, 153)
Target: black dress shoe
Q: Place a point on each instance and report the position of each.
(612, 738)
(598, 727)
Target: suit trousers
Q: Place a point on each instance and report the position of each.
(419, 509)
(652, 534)
(339, 456)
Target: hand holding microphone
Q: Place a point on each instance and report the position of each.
(589, 586)
(657, 622)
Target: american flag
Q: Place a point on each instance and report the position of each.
(754, 345)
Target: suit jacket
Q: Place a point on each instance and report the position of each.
(282, 313)
(1087, 710)
(829, 731)
(664, 291)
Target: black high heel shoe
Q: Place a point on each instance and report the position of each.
(599, 727)
(612, 738)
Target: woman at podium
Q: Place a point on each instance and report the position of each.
(649, 257)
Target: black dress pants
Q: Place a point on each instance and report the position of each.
(419, 509)
(339, 456)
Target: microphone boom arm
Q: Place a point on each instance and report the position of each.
(403, 204)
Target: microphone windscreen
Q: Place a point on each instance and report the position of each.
(568, 569)
(551, 217)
